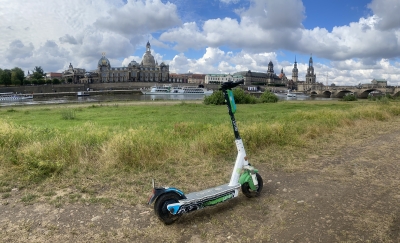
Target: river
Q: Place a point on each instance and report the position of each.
(126, 97)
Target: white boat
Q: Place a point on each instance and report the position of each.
(289, 94)
(10, 96)
(83, 93)
(169, 90)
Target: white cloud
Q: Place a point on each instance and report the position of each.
(217, 61)
(276, 14)
(388, 13)
(82, 29)
(139, 17)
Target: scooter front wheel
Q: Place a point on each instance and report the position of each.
(248, 192)
(160, 207)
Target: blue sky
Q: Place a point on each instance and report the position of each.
(350, 41)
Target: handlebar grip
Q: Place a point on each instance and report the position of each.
(231, 84)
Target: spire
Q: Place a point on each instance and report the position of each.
(148, 46)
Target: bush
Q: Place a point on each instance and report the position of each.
(243, 98)
(56, 81)
(268, 97)
(350, 97)
(27, 82)
(217, 98)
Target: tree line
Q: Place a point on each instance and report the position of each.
(16, 77)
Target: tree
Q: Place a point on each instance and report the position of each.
(38, 73)
(27, 82)
(5, 77)
(17, 76)
(56, 81)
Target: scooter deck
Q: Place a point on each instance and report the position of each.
(210, 192)
(205, 198)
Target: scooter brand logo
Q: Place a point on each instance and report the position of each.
(218, 200)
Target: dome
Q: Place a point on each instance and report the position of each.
(133, 63)
(103, 61)
(148, 59)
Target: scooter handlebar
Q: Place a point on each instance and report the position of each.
(231, 84)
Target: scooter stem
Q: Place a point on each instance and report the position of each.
(241, 161)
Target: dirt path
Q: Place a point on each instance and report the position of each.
(346, 193)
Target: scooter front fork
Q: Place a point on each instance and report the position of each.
(249, 176)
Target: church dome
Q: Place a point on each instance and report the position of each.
(103, 61)
(133, 63)
(148, 59)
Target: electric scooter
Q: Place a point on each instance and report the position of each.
(171, 203)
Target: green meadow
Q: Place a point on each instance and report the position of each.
(174, 142)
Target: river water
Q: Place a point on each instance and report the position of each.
(127, 97)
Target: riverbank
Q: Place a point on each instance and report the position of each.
(99, 92)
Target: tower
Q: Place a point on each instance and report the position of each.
(310, 82)
(310, 76)
(295, 71)
(270, 68)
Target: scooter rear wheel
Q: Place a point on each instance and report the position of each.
(248, 192)
(160, 207)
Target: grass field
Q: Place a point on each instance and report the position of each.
(42, 142)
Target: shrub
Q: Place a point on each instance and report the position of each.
(243, 98)
(268, 97)
(350, 97)
(217, 98)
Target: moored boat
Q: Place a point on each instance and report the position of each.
(10, 96)
(289, 94)
(83, 93)
(169, 90)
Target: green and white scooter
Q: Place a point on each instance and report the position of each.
(171, 203)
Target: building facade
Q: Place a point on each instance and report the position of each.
(381, 83)
(53, 75)
(178, 78)
(73, 75)
(196, 78)
(221, 78)
(147, 71)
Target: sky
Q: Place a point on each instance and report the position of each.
(350, 41)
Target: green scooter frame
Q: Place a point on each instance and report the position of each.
(170, 203)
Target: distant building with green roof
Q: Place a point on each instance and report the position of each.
(379, 82)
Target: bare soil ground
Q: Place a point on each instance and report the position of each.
(346, 189)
